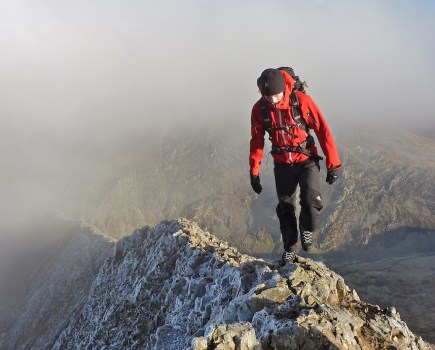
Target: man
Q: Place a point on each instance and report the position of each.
(288, 116)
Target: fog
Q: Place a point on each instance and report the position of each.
(99, 72)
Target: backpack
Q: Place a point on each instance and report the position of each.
(297, 117)
(299, 85)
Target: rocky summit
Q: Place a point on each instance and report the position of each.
(174, 286)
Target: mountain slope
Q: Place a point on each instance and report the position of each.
(46, 277)
(201, 173)
(175, 286)
(388, 185)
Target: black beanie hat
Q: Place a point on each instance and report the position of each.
(271, 82)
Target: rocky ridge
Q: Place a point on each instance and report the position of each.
(48, 281)
(174, 286)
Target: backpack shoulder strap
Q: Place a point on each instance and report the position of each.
(266, 115)
(297, 112)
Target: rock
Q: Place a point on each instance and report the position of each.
(199, 343)
(239, 336)
(178, 287)
(265, 297)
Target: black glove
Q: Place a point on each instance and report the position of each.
(332, 174)
(255, 183)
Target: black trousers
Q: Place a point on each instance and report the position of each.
(287, 177)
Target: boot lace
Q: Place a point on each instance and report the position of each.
(307, 237)
(289, 256)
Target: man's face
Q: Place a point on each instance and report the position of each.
(274, 99)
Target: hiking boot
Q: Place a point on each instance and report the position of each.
(307, 240)
(288, 258)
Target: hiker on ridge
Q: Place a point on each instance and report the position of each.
(287, 114)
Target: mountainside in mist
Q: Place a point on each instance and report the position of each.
(175, 286)
(387, 186)
(45, 277)
(201, 173)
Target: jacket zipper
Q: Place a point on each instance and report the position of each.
(282, 125)
(312, 119)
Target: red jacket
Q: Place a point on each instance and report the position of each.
(282, 115)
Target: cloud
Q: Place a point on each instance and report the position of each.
(81, 64)
(106, 71)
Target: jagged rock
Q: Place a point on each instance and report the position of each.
(267, 296)
(124, 244)
(200, 343)
(238, 336)
(178, 287)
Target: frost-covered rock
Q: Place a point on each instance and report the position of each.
(175, 286)
(57, 274)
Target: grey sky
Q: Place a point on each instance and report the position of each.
(69, 65)
(70, 70)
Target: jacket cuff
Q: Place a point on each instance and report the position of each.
(336, 167)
